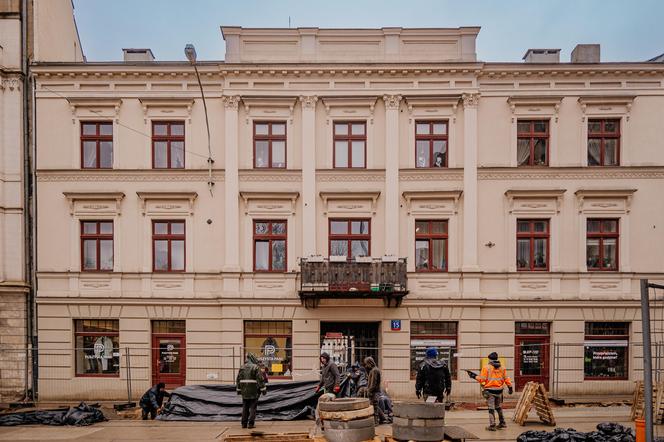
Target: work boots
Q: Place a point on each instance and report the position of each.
(491, 428)
(502, 425)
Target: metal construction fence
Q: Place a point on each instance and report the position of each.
(601, 368)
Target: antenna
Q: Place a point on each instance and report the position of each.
(289, 21)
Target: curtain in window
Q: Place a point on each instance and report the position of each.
(523, 253)
(523, 151)
(593, 152)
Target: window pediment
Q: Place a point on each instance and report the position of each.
(269, 108)
(166, 108)
(95, 108)
(617, 105)
(167, 203)
(94, 203)
(350, 107)
(604, 201)
(269, 203)
(533, 106)
(432, 202)
(534, 201)
(350, 202)
(433, 106)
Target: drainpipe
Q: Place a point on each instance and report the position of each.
(28, 228)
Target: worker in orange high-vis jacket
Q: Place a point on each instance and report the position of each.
(493, 379)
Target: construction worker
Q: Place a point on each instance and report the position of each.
(152, 399)
(373, 388)
(493, 379)
(433, 377)
(329, 375)
(250, 383)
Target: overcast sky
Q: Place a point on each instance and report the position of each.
(628, 30)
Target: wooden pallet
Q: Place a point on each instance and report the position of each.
(535, 394)
(268, 437)
(638, 411)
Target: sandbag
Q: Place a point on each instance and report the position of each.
(81, 415)
(284, 401)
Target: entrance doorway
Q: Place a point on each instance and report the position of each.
(532, 353)
(169, 353)
(349, 342)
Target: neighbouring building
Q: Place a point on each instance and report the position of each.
(372, 192)
(49, 34)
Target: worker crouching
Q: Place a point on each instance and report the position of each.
(493, 380)
(152, 400)
(250, 383)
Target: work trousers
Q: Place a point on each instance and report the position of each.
(249, 411)
(148, 409)
(495, 404)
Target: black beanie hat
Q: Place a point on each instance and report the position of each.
(493, 356)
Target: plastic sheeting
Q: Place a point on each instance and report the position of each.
(80, 415)
(606, 432)
(284, 401)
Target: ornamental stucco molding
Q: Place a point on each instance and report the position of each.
(470, 100)
(365, 176)
(231, 101)
(10, 83)
(392, 101)
(145, 176)
(541, 174)
(309, 101)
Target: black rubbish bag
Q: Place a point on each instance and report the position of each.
(80, 415)
(284, 401)
(606, 432)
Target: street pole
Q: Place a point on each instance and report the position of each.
(647, 359)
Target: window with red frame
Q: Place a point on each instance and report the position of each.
(272, 343)
(603, 142)
(431, 144)
(168, 246)
(350, 237)
(270, 246)
(350, 144)
(96, 246)
(97, 347)
(532, 142)
(168, 145)
(606, 351)
(441, 335)
(431, 246)
(532, 244)
(602, 244)
(270, 145)
(96, 145)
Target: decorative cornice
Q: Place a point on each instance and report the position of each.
(231, 101)
(570, 174)
(253, 175)
(470, 100)
(351, 196)
(606, 103)
(535, 194)
(534, 104)
(164, 103)
(144, 197)
(392, 101)
(309, 101)
(430, 195)
(129, 176)
(10, 83)
(437, 174)
(73, 197)
(350, 176)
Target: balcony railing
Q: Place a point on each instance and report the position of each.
(322, 278)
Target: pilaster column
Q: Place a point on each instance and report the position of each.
(231, 186)
(392, 174)
(470, 102)
(308, 175)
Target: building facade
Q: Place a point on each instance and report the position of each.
(372, 192)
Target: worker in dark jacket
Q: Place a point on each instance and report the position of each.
(250, 383)
(329, 375)
(433, 377)
(374, 382)
(152, 400)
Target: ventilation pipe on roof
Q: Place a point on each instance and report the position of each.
(133, 54)
(542, 56)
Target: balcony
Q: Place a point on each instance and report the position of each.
(360, 278)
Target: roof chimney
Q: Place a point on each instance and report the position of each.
(585, 54)
(542, 56)
(137, 54)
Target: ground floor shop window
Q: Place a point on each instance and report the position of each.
(97, 347)
(272, 343)
(606, 351)
(438, 334)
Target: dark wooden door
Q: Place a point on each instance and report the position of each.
(532, 360)
(169, 360)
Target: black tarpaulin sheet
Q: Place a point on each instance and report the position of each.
(80, 415)
(284, 401)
